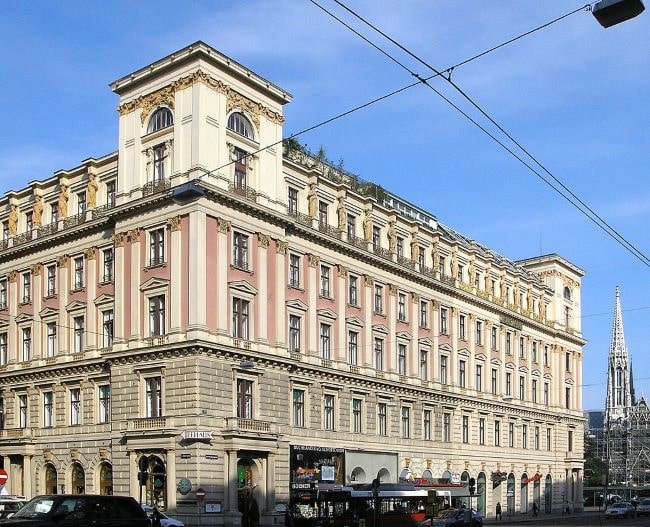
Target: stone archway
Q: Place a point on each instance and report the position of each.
(51, 476)
(358, 475)
(510, 494)
(248, 481)
(481, 494)
(77, 478)
(548, 494)
(523, 503)
(106, 479)
(383, 475)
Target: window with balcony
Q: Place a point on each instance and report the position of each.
(442, 266)
(51, 339)
(75, 406)
(353, 348)
(351, 226)
(5, 231)
(157, 247)
(356, 415)
(424, 365)
(108, 265)
(78, 334)
(298, 408)
(379, 299)
(22, 411)
(421, 257)
(353, 290)
(328, 411)
(400, 247)
(294, 270)
(104, 403)
(401, 307)
(325, 286)
(157, 316)
(241, 168)
(3, 349)
(379, 353)
(376, 238)
(401, 359)
(325, 341)
(426, 425)
(443, 321)
(3, 293)
(27, 344)
(48, 409)
(240, 318)
(159, 154)
(322, 213)
(294, 333)
(382, 419)
(27, 287)
(153, 397)
(107, 328)
(78, 279)
(110, 194)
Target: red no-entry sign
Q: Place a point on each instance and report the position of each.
(3, 476)
(200, 494)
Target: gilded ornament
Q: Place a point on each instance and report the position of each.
(263, 240)
(37, 211)
(281, 247)
(415, 297)
(90, 253)
(12, 220)
(134, 235)
(392, 289)
(174, 223)
(118, 239)
(62, 261)
(313, 260)
(343, 272)
(223, 226)
(369, 281)
(36, 269)
(12, 276)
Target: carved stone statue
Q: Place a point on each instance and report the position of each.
(542, 307)
(367, 226)
(341, 213)
(63, 201)
(392, 237)
(414, 249)
(454, 265)
(312, 200)
(472, 272)
(91, 191)
(435, 256)
(529, 300)
(12, 221)
(37, 211)
(503, 288)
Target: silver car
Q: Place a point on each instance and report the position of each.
(644, 507)
(622, 509)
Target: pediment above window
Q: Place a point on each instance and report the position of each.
(49, 312)
(536, 373)
(481, 357)
(464, 352)
(510, 365)
(548, 376)
(404, 335)
(354, 321)
(496, 362)
(154, 283)
(243, 286)
(297, 304)
(523, 369)
(327, 313)
(425, 342)
(23, 317)
(569, 381)
(4, 324)
(380, 328)
(77, 305)
(445, 347)
(104, 299)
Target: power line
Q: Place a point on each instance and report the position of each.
(583, 207)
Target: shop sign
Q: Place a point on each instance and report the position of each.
(455, 478)
(511, 321)
(196, 435)
(302, 486)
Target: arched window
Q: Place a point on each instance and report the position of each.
(161, 118)
(567, 293)
(106, 479)
(238, 123)
(50, 479)
(78, 479)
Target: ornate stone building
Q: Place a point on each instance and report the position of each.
(211, 309)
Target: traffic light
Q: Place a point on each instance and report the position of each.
(472, 485)
(143, 473)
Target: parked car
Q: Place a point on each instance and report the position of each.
(80, 510)
(165, 521)
(456, 518)
(644, 507)
(10, 504)
(622, 509)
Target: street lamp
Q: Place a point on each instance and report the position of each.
(612, 12)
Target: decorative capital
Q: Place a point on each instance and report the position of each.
(415, 297)
(368, 280)
(134, 235)
(263, 240)
(392, 289)
(118, 239)
(174, 223)
(281, 247)
(12, 275)
(36, 269)
(223, 226)
(313, 260)
(62, 261)
(343, 272)
(90, 253)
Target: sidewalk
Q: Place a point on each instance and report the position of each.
(518, 519)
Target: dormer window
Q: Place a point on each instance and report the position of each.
(239, 124)
(161, 118)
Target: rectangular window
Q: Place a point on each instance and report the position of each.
(426, 425)
(325, 342)
(567, 397)
(240, 250)
(497, 433)
(401, 307)
(353, 283)
(75, 406)
(570, 441)
(466, 429)
(353, 348)
(241, 165)
(27, 344)
(48, 409)
(493, 337)
(479, 333)
(442, 266)
(424, 314)
(240, 311)
(107, 328)
(157, 315)
(104, 403)
(494, 384)
(328, 412)
(157, 247)
(299, 408)
(376, 238)
(27, 287)
(481, 430)
(351, 226)
(153, 397)
(533, 390)
(443, 369)
(401, 359)
(3, 349)
(522, 347)
(356, 416)
(22, 411)
(546, 357)
(294, 270)
(294, 333)
(51, 280)
(322, 213)
(3, 293)
(424, 365)
(51, 339)
(54, 212)
(443, 321)
(546, 393)
(508, 384)
(108, 257)
(567, 361)
(461, 327)
(379, 354)
(81, 202)
(292, 201)
(406, 422)
(400, 247)
(325, 281)
(508, 343)
(78, 337)
(479, 377)
(462, 374)
(446, 427)
(511, 435)
(110, 194)
(534, 351)
(382, 429)
(421, 257)
(536, 438)
(549, 443)
(244, 398)
(78, 282)
(379, 299)
(524, 436)
(522, 387)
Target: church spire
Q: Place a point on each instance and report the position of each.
(619, 370)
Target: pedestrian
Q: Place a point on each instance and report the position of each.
(498, 514)
(535, 509)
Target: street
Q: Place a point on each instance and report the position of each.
(587, 518)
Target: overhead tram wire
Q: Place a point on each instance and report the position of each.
(583, 207)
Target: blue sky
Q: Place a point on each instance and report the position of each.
(575, 94)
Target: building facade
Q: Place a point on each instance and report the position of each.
(216, 321)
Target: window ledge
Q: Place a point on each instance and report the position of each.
(155, 266)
